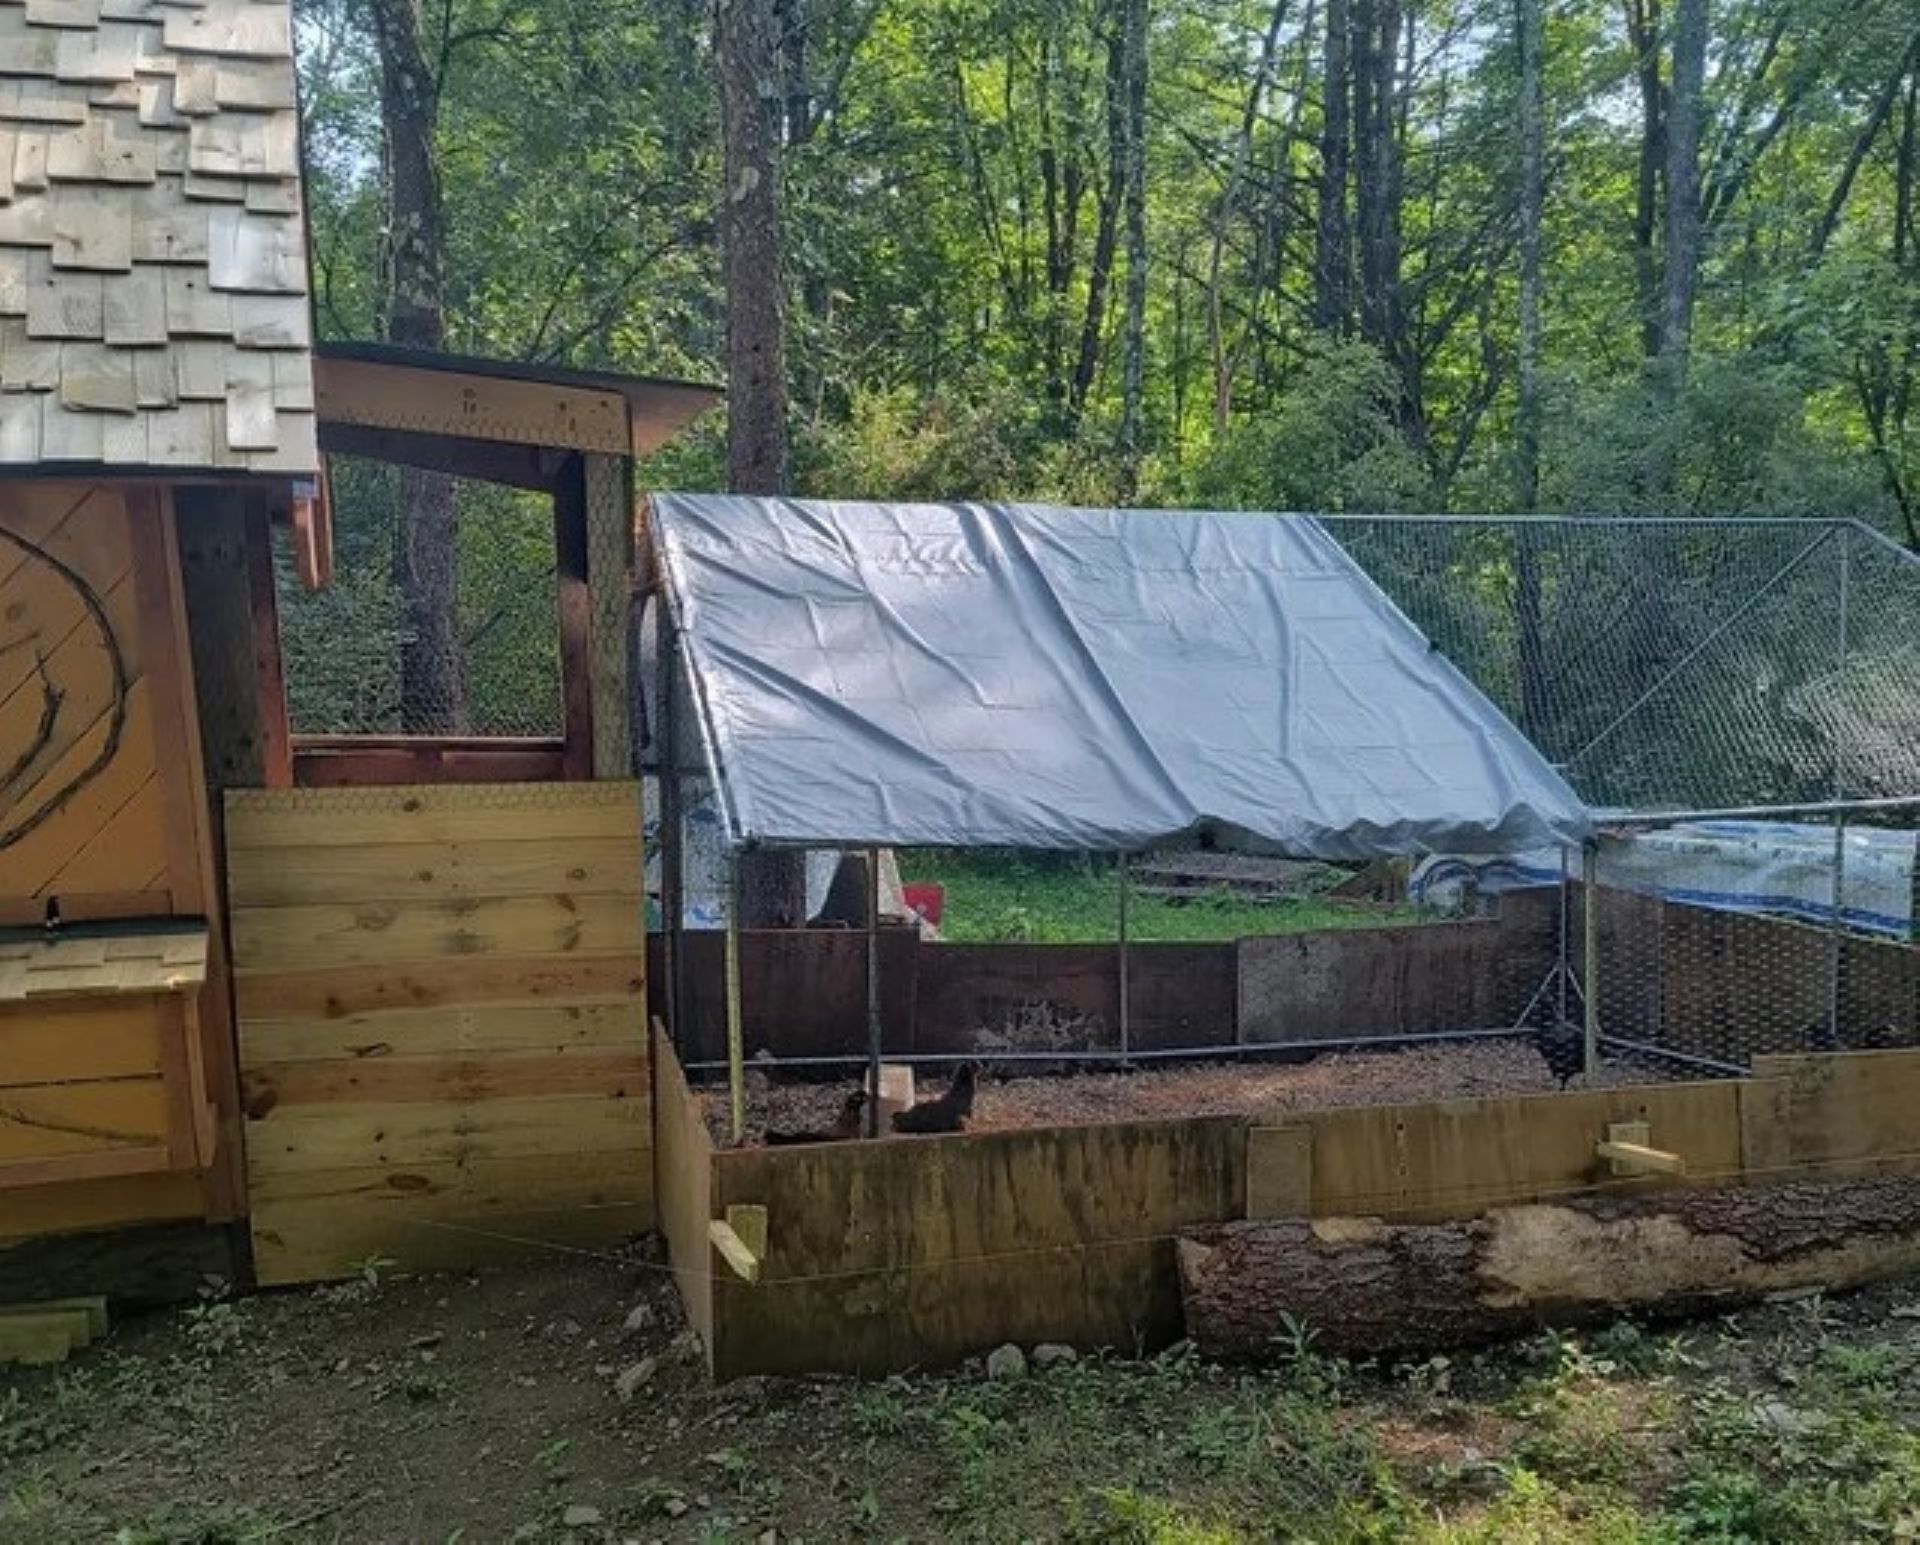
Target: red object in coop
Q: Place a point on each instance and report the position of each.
(928, 902)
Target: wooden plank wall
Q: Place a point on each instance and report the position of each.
(885, 1255)
(683, 1186)
(1396, 981)
(442, 1029)
(105, 811)
(87, 697)
(1712, 983)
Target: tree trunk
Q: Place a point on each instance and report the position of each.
(1366, 1287)
(751, 104)
(1134, 346)
(426, 537)
(771, 888)
(1106, 233)
(1683, 180)
(1333, 238)
(1643, 31)
(1223, 359)
(1532, 199)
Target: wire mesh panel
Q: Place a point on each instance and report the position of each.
(352, 656)
(1698, 664)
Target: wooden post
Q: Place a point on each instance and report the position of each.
(875, 1036)
(576, 620)
(736, 1049)
(1590, 938)
(666, 772)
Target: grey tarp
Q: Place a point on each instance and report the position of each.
(1001, 675)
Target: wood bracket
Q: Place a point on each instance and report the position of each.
(1627, 1150)
(741, 1239)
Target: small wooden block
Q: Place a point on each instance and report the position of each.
(36, 1337)
(742, 1251)
(895, 1093)
(92, 1311)
(1627, 1151)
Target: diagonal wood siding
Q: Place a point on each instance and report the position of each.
(441, 995)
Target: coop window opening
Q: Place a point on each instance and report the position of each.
(454, 651)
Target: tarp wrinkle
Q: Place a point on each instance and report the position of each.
(1021, 676)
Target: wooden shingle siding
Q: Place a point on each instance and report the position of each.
(153, 262)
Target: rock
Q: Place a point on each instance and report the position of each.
(431, 1339)
(674, 1506)
(566, 1328)
(1007, 1362)
(767, 1537)
(639, 1318)
(633, 1377)
(1051, 1354)
(580, 1516)
(685, 1347)
(1780, 1419)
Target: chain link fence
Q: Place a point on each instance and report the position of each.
(346, 648)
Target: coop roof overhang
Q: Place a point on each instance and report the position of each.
(1004, 675)
(491, 418)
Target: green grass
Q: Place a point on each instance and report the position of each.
(1013, 898)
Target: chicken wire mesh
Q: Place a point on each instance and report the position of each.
(346, 648)
(1761, 674)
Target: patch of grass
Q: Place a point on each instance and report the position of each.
(1072, 899)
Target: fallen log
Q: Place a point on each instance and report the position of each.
(1365, 1286)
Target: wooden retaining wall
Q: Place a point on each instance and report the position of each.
(1715, 984)
(803, 992)
(442, 1031)
(914, 1251)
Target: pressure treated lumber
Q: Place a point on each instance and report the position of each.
(1366, 1287)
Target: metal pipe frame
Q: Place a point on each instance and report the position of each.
(1111, 1056)
(876, 1031)
(1590, 939)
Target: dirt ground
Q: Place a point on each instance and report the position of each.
(561, 1402)
(1010, 1099)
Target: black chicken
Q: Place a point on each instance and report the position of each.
(949, 1113)
(848, 1124)
(1564, 1048)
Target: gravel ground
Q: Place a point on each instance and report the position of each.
(1460, 1070)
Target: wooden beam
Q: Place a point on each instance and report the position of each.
(275, 734)
(576, 620)
(193, 834)
(470, 406)
(518, 466)
(356, 761)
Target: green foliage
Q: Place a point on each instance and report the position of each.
(1329, 442)
(1015, 898)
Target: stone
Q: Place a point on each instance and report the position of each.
(1051, 1354)
(1007, 1362)
(639, 1318)
(674, 1506)
(1780, 1419)
(580, 1516)
(633, 1377)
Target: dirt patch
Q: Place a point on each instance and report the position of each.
(497, 1406)
(1009, 1100)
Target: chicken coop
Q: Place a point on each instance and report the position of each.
(1607, 829)
(279, 994)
